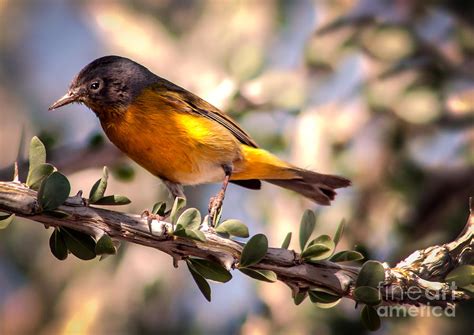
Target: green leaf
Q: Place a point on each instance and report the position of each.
(79, 244)
(53, 191)
(367, 295)
(190, 219)
(370, 319)
(324, 240)
(253, 252)
(263, 275)
(322, 296)
(116, 244)
(234, 228)
(38, 174)
(190, 233)
(371, 274)
(462, 276)
(346, 256)
(95, 141)
(57, 244)
(178, 204)
(105, 246)
(316, 252)
(113, 200)
(200, 281)
(159, 208)
(211, 270)
(339, 232)
(299, 297)
(123, 172)
(328, 305)
(37, 156)
(308, 222)
(286, 241)
(98, 190)
(5, 220)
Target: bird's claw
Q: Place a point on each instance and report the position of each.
(215, 209)
(150, 217)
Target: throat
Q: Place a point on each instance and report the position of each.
(109, 114)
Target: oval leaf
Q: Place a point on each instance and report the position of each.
(53, 191)
(286, 241)
(79, 244)
(367, 295)
(322, 297)
(113, 200)
(255, 249)
(190, 219)
(263, 275)
(299, 297)
(200, 281)
(105, 246)
(316, 252)
(5, 220)
(370, 319)
(234, 228)
(328, 305)
(324, 240)
(371, 274)
(98, 190)
(178, 204)
(346, 256)
(159, 208)
(38, 174)
(116, 244)
(308, 222)
(463, 276)
(124, 172)
(339, 232)
(37, 156)
(211, 270)
(190, 233)
(57, 244)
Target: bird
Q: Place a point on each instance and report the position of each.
(181, 138)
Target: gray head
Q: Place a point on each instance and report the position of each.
(107, 85)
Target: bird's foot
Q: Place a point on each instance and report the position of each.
(150, 217)
(146, 214)
(215, 209)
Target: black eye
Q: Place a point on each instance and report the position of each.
(95, 85)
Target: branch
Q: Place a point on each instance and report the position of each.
(424, 269)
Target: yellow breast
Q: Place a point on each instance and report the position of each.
(180, 147)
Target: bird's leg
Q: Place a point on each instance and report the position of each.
(175, 189)
(215, 203)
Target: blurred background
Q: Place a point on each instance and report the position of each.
(379, 91)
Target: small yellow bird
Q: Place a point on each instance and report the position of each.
(181, 138)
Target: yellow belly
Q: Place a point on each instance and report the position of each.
(180, 147)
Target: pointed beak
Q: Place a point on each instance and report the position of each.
(66, 99)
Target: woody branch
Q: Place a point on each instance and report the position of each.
(423, 269)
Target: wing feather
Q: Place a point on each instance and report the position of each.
(187, 102)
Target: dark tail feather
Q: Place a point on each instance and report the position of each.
(316, 186)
